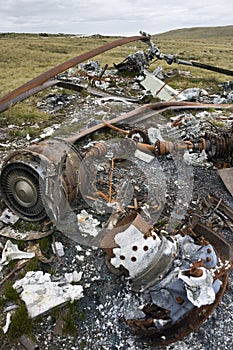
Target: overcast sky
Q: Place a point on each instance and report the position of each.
(126, 17)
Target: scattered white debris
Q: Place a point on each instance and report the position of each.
(9, 232)
(80, 257)
(102, 84)
(8, 322)
(72, 71)
(73, 276)
(49, 131)
(197, 159)
(12, 252)
(40, 294)
(193, 94)
(10, 308)
(87, 223)
(59, 249)
(7, 217)
(145, 157)
(79, 248)
(5, 145)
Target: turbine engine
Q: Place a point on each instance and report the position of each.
(40, 180)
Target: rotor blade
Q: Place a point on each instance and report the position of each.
(11, 97)
(212, 68)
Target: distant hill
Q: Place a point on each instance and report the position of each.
(197, 33)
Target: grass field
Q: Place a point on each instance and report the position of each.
(24, 56)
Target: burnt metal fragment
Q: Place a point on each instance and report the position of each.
(211, 200)
(180, 278)
(138, 135)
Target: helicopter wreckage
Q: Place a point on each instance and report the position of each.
(179, 269)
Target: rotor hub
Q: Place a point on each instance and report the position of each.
(24, 191)
(20, 189)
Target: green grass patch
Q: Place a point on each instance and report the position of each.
(73, 315)
(33, 265)
(45, 245)
(10, 294)
(21, 323)
(25, 113)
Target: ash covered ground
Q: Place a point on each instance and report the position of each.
(107, 297)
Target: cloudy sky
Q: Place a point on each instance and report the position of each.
(126, 17)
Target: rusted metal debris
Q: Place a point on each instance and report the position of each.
(219, 205)
(91, 90)
(44, 176)
(181, 276)
(45, 170)
(167, 315)
(48, 171)
(219, 148)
